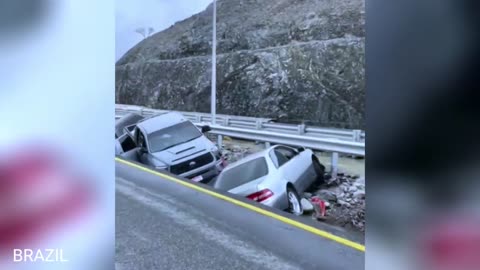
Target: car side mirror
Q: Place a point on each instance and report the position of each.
(206, 129)
(301, 149)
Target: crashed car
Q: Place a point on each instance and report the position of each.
(168, 141)
(276, 177)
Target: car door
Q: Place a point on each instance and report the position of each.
(292, 167)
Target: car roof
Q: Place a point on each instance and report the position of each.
(161, 121)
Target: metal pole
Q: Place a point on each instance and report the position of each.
(214, 62)
(213, 101)
(334, 165)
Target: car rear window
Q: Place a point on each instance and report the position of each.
(242, 174)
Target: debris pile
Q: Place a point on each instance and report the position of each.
(237, 150)
(235, 153)
(345, 200)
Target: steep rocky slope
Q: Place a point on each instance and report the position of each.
(287, 59)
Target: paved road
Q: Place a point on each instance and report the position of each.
(163, 225)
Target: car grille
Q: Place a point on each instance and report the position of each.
(186, 165)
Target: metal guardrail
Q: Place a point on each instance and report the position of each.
(260, 129)
(253, 123)
(324, 144)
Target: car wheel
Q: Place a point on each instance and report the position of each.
(319, 169)
(294, 202)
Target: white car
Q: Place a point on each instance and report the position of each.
(275, 177)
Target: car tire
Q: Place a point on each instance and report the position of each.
(319, 170)
(294, 201)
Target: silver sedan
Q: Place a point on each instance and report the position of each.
(275, 177)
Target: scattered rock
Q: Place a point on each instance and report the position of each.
(333, 182)
(360, 185)
(341, 202)
(326, 195)
(306, 205)
(361, 181)
(307, 195)
(359, 194)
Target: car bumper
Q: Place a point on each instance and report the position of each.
(204, 175)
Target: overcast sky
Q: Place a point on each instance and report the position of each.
(159, 14)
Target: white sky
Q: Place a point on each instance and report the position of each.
(159, 14)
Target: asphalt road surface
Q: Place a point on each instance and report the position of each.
(161, 224)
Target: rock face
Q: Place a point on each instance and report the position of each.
(286, 59)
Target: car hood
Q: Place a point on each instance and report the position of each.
(185, 151)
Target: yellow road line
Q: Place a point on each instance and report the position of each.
(259, 210)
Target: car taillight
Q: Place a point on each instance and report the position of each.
(261, 195)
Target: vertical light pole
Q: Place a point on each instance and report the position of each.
(213, 101)
(214, 64)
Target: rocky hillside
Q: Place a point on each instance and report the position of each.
(286, 59)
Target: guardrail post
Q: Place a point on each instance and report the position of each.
(259, 124)
(356, 135)
(334, 165)
(198, 118)
(267, 145)
(301, 129)
(220, 141)
(227, 121)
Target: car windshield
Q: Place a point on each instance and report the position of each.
(172, 136)
(242, 174)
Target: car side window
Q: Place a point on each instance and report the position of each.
(282, 159)
(289, 153)
(281, 155)
(274, 159)
(277, 158)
